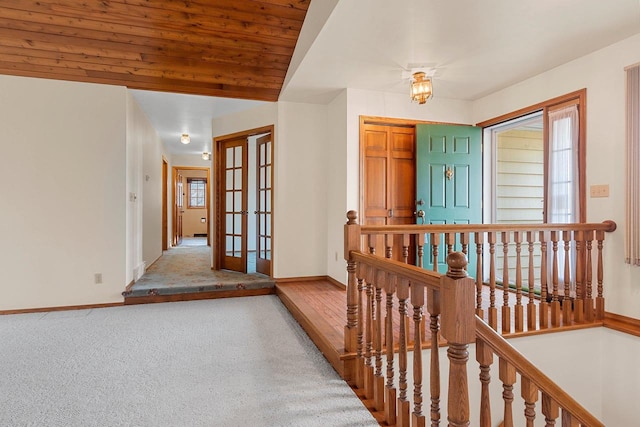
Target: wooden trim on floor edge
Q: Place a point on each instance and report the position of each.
(329, 279)
(156, 260)
(61, 308)
(129, 286)
(314, 330)
(151, 299)
(618, 322)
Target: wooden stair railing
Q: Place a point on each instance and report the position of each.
(533, 382)
(450, 302)
(449, 298)
(541, 265)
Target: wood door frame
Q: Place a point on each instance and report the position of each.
(165, 198)
(175, 170)
(384, 121)
(217, 189)
(578, 97)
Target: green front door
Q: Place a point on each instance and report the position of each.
(448, 183)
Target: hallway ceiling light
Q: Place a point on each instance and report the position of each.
(421, 87)
(185, 138)
(206, 156)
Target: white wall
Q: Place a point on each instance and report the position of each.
(144, 167)
(336, 208)
(301, 173)
(597, 367)
(63, 192)
(602, 73)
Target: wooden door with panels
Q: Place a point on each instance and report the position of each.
(388, 180)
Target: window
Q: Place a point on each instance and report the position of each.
(534, 163)
(534, 168)
(197, 192)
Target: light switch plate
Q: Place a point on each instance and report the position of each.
(601, 190)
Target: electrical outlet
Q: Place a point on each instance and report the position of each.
(97, 278)
(599, 190)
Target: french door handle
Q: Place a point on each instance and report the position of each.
(390, 213)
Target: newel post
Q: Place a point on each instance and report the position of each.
(351, 243)
(458, 328)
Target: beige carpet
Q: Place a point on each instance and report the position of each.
(230, 362)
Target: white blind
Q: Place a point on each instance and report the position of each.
(633, 166)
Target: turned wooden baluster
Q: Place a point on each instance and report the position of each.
(544, 306)
(493, 310)
(360, 355)
(368, 365)
(484, 356)
(403, 403)
(420, 243)
(600, 298)
(589, 308)
(458, 328)
(433, 305)
(464, 243)
(388, 244)
(529, 393)
(531, 306)
(435, 243)
(390, 390)
(351, 243)
(479, 239)
(405, 248)
(550, 410)
(378, 378)
(519, 309)
(568, 420)
(555, 304)
(508, 378)
(417, 300)
(450, 240)
(371, 243)
(506, 310)
(578, 307)
(566, 306)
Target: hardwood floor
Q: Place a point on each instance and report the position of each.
(320, 308)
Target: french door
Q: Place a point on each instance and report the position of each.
(234, 205)
(263, 204)
(244, 199)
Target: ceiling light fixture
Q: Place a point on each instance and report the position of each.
(206, 156)
(185, 138)
(421, 87)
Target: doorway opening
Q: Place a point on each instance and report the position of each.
(244, 201)
(191, 205)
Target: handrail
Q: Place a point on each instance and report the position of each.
(385, 296)
(503, 349)
(606, 226)
(408, 271)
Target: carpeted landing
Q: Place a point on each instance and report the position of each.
(223, 362)
(186, 269)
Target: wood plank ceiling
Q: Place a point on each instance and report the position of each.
(228, 48)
